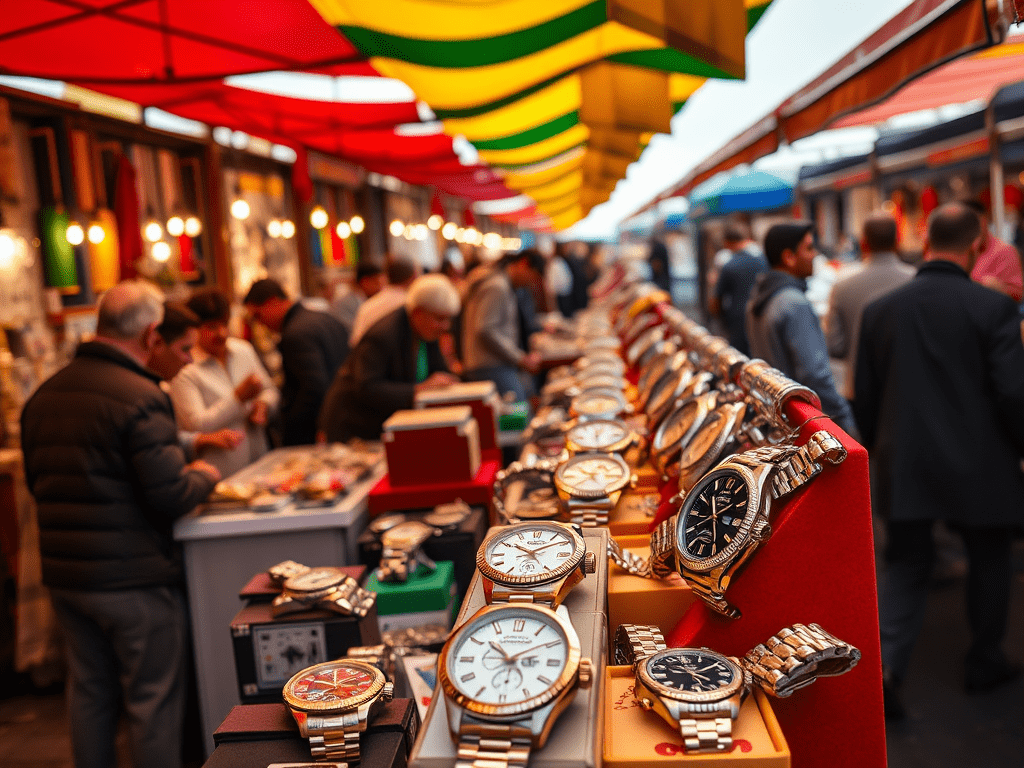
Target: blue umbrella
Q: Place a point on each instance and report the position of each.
(752, 191)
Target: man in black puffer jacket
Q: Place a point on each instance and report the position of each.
(103, 462)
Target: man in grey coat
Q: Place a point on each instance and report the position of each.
(782, 328)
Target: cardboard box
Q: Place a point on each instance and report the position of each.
(428, 597)
(432, 446)
(635, 738)
(636, 600)
(634, 514)
(481, 396)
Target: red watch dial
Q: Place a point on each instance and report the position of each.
(332, 684)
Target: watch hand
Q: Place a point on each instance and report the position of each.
(524, 549)
(714, 521)
(515, 656)
(499, 649)
(550, 544)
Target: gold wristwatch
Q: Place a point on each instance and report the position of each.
(700, 691)
(400, 550)
(605, 436)
(590, 484)
(327, 588)
(332, 703)
(726, 515)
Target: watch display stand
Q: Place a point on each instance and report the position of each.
(636, 600)
(481, 396)
(432, 445)
(427, 597)
(459, 545)
(818, 566)
(637, 739)
(385, 497)
(631, 515)
(576, 736)
(259, 735)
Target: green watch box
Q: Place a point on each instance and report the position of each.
(428, 597)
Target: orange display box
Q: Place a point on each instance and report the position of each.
(634, 513)
(647, 478)
(636, 600)
(634, 738)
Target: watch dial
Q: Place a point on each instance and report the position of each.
(530, 551)
(594, 435)
(597, 404)
(691, 670)
(330, 683)
(704, 440)
(678, 424)
(713, 513)
(591, 474)
(507, 657)
(318, 578)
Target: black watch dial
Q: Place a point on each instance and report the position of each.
(713, 513)
(693, 670)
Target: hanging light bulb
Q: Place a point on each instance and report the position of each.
(408, 232)
(176, 226)
(193, 226)
(274, 228)
(420, 232)
(161, 251)
(318, 217)
(153, 231)
(96, 234)
(240, 209)
(435, 222)
(448, 230)
(75, 234)
(396, 228)
(287, 229)
(7, 249)
(357, 224)
(343, 230)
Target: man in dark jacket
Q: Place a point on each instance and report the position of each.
(940, 403)
(782, 328)
(397, 357)
(313, 346)
(103, 462)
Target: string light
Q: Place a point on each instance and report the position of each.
(153, 231)
(96, 234)
(397, 228)
(193, 226)
(175, 226)
(240, 209)
(75, 234)
(287, 229)
(448, 230)
(435, 222)
(357, 224)
(343, 230)
(318, 218)
(161, 251)
(274, 228)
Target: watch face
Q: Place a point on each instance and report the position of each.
(509, 659)
(713, 516)
(314, 580)
(666, 390)
(704, 441)
(676, 426)
(593, 475)
(411, 533)
(692, 674)
(333, 685)
(594, 403)
(282, 650)
(530, 553)
(597, 435)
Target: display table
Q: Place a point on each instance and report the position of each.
(223, 550)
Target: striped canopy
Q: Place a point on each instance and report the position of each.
(558, 96)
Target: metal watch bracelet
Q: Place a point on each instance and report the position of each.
(352, 598)
(493, 747)
(338, 743)
(794, 657)
(795, 466)
(628, 561)
(636, 641)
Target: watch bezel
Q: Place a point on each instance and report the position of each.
(565, 679)
(693, 697)
(743, 532)
(500, 577)
(727, 418)
(593, 394)
(343, 705)
(579, 458)
(409, 533)
(290, 586)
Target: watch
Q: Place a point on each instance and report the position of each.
(709, 443)
(598, 404)
(527, 492)
(637, 351)
(332, 702)
(667, 392)
(507, 674)
(699, 691)
(590, 484)
(448, 516)
(327, 588)
(660, 366)
(400, 550)
(600, 435)
(677, 429)
(386, 522)
(726, 515)
(534, 562)
(284, 570)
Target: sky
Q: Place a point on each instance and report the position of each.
(794, 42)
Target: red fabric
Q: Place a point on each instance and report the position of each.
(437, 207)
(817, 567)
(126, 211)
(302, 184)
(185, 249)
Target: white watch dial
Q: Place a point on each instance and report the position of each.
(314, 579)
(594, 473)
(594, 435)
(597, 404)
(507, 658)
(530, 550)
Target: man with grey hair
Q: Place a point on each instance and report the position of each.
(102, 460)
(401, 271)
(396, 358)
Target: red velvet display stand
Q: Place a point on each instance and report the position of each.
(818, 566)
(476, 492)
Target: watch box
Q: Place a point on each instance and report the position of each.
(427, 597)
(266, 735)
(269, 651)
(457, 545)
(481, 396)
(432, 446)
(634, 513)
(638, 739)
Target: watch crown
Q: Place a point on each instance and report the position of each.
(388, 692)
(646, 704)
(585, 673)
(590, 562)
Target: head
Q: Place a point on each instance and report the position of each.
(267, 302)
(432, 302)
(402, 270)
(979, 208)
(880, 233)
(370, 277)
(734, 236)
(176, 336)
(128, 315)
(525, 267)
(214, 310)
(955, 233)
(789, 247)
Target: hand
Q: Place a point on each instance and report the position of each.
(222, 438)
(205, 468)
(436, 381)
(258, 414)
(249, 388)
(531, 362)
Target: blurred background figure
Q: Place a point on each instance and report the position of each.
(401, 271)
(657, 259)
(735, 282)
(367, 282)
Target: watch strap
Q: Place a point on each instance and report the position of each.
(340, 742)
(492, 748)
(713, 734)
(794, 466)
(794, 657)
(350, 599)
(637, 641)
(588, 517)
(628, 561)
(285, 570)
(663, 548)
(396, 565)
